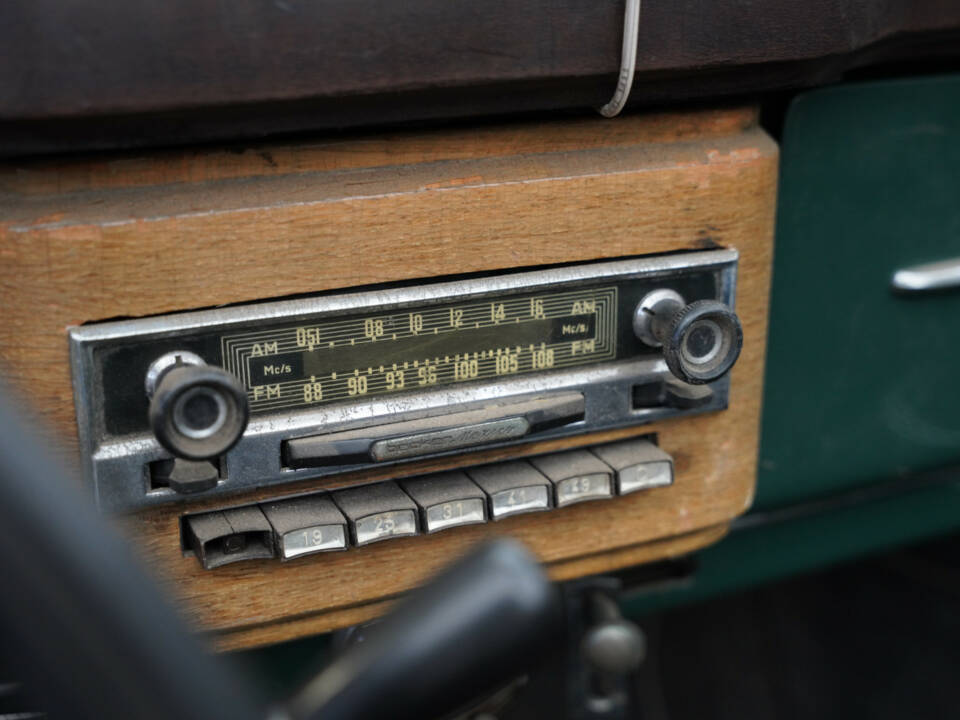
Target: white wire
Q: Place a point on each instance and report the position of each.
(628, 60)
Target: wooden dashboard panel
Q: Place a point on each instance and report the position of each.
(129, 236)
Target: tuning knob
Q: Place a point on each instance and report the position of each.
(197, 411)
(701, 341)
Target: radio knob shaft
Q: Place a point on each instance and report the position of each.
(701, 340)
(197, 411)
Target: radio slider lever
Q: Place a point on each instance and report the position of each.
(667, 391)
(226, 536)
(440, 433)
(685, 396)
(184, 476)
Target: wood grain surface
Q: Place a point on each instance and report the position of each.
(67, 175)
(86, 242)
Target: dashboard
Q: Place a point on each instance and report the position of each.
(303, 381)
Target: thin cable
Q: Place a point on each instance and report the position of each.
(628, 60)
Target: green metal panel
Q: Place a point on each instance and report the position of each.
(752, 555)
(861, 384)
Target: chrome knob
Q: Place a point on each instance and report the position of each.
(197, 411)
(701, 340)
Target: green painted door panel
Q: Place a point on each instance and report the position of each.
(753, 554)
(862, 385)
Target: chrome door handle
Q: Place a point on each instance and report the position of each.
(928, 277)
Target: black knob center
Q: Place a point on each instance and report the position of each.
(703, 341)
(200, 412)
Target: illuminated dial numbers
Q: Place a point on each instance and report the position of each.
(466, 368)
(373, 328)
(395, 379)
(312, 391)
(339, 359)
(507, 362)
(541, 358)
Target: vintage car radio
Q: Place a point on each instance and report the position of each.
(218, 401)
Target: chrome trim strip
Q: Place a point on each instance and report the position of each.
(331, 304)
(942, 275)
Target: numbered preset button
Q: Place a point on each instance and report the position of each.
(306, 525)
(447, 500)
(513, 488)
(640, 465)
(377, 512)
(577, 476)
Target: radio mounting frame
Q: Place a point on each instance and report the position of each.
(116, 465)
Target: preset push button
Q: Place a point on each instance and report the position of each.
(514, 488)
(306, 525)
(377, 512)
(577, 476)
(640, 465)
(447, 500)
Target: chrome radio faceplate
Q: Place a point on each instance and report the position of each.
(340, 382)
